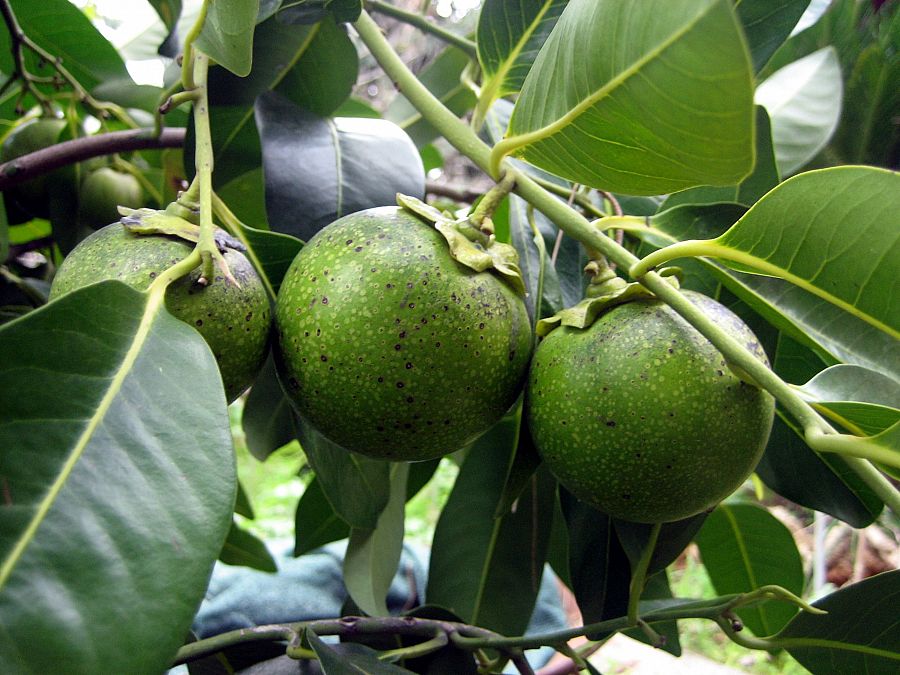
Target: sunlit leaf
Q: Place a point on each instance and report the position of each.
(623, 114)
(227, 34)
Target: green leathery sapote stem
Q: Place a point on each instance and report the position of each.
(234, 319)
(392, 348)
(640, 416)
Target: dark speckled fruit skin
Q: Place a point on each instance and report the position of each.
(391, 348)
(639, 416)
(234, 321)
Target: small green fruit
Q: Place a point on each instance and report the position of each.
(640, 416)
(233, 321)
(390, 347)
(103, 191)
(31, 199)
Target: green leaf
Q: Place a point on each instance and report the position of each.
(316, 522)
(673, 538)
(743, 548)
(320, 169)
(243, 548)
(350, 658)
(4, 232)
(748, 191)
(859, 634)
(833, 233)
(821, 482)
(442, 78)
(63, 30)
(623, 114)
(99, 388)
(271, 252)
(509, 38)
(656, 589)
(503, 557)
(864, 401)
(357, 487)
(373, 555)
(169, 12)
(804, 102)
(267, 420)
(227, 34)
(767, 24)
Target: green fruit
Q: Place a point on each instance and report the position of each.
(390, 347)
(234, 321)
(31, 199)
(639, 415)
(103, 191)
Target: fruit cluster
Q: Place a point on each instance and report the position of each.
(392, 348)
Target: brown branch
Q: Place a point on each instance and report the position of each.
(44, 161)
(457, 194)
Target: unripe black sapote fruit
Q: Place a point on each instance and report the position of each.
(234, 321)
(389, 346)
(102, 191)
(639, 415)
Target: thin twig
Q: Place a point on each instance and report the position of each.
(422, 23)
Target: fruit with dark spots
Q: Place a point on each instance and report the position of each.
(640, 416)
(102, 191)
(401, 381)
(234, 321)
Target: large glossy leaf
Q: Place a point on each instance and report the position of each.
(316, 522)
(245, 549)
(748, 191)
(313, 66)
(510, 34)
(834, 233)
(320, 169)
(63, 30)
(503, 556)
(267, 420)
(373, 555)
(623, 114)
(743, 548)
(357, 487)
(442, 77)
(804, 101)
(227, 34)
(821, 482)
(859, 634)
(767, 24)
(864, 401)
(119, 487)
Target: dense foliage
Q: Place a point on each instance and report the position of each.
(745, 151)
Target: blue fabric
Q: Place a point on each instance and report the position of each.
(312, 587)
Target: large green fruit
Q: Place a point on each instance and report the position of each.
(103, 190)
(31, 199)
(640, 416)
(390, 347)
(233, 320)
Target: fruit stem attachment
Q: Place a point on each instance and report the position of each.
(639, 575)
(577, 226)
(492, 199)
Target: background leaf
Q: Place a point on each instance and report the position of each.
(243, 548)
(767, 24)
(743, 548)
(804, 103)
(373, 555)
(110, 398)
(320, 169)
(859, 634)
(357, 487)
(622, 114)
(350, 658)
(316, 522)
(267, 420)
(227, 34)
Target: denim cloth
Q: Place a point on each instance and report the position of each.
(312, 587)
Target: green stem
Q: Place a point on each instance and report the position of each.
(492, 199)
(414, 651)
(176, 271)
(187, 63)
(204, 164)
(423, 24)
(876, 481)
(458, 134)
(639, 575)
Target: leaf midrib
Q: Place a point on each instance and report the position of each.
(154, 302)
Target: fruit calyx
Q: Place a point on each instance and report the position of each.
(605, 291)
(151, 221)
(475, 247)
